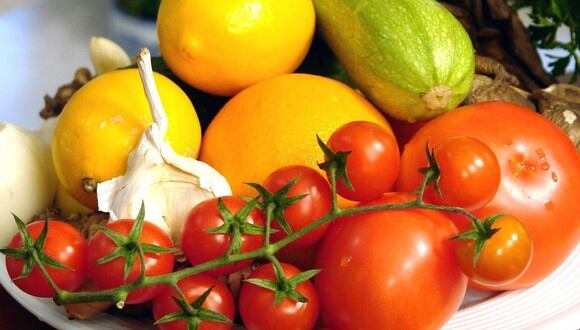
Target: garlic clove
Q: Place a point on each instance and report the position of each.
(107, 56)
(167, 183)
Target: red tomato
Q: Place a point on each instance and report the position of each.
(110, 274)
(64, 244)
(540, 175)
(373, 164)
(258, 310)
(404, 130)
(389, 270)
(318, 201)
(303, 258)
(469, 174)
(200, 246)
(219, 300)
(504, 257)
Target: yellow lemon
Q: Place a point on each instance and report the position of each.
(275, 122)
(223, 46)
(104, 120)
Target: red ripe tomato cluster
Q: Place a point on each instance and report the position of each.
(402, 268)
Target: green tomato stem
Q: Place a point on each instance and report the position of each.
(267, 250)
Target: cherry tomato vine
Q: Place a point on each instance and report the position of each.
(272, 205)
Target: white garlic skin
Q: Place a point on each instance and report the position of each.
(168, 184)
(27, 178)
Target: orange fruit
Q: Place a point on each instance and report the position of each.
(275, 122)
(224, 46)
(104, 120)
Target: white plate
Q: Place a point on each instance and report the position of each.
(554, 301)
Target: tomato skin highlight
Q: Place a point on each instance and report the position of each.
(110, 274)
(258, 311)
(373, 163)
(470, 174)
(200, 246)
(540, 176)
(504, 257)
(316, 203)
(389, 270)
(66, 245)
(219, 300)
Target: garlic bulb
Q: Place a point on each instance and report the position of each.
(107, 56)
(168, 183)
(27, 178)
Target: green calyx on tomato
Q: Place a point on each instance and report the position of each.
(236, 225)
(335, 161)
(284, 287)
(32, 252)
(431, 173)
(275, 204)
(193, 314)
(480, 234)
(129, 247)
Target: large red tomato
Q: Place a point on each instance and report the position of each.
(389, 270)
(540, 175)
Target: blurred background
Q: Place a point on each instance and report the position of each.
(43, 42)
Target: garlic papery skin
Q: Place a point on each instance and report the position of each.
(168, 184)
(27, 178)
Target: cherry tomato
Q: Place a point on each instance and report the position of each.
(504, 257)
(469, 175)
(258, 309)
(65, 245)
(316, 203)
(389, 270)
(219, 300)
(373, 163)
(200, 246)
(111, 274)
(540, 175)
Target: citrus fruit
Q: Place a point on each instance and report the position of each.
(223, 46)
(104, 120)
(274, 123)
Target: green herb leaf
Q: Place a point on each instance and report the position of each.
(547, 18)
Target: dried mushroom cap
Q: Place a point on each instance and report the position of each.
(561, 104)
(493, 83)
(53, 105)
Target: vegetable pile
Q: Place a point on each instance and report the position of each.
(362, 226)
